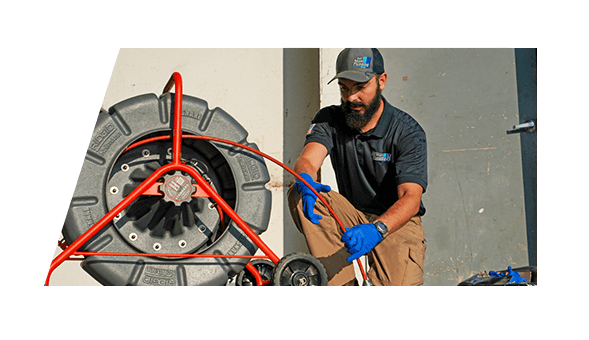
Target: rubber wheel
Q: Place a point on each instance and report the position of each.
(264, 267)
(299, 269)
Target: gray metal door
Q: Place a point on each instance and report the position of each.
(526, 73)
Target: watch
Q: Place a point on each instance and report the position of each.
(381, 227)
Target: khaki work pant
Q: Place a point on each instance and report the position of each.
(396, 261)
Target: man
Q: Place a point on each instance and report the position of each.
(379, 156)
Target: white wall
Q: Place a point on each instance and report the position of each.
(248, 84)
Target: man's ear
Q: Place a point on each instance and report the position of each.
(382, 81)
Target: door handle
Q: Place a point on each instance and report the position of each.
(528, 126)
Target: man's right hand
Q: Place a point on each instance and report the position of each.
(308, 196)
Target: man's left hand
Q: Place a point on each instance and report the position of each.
(361, 239)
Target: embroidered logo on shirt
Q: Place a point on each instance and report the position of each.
(381, 157)
(362, 62)
(311, 128)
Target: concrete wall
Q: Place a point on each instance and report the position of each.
(465, 99)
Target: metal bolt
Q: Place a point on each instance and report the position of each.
(114, 190)
(157, 246)
(212, 206)
(132, 236)
(125, 167)
(182, 244)
(145, 153)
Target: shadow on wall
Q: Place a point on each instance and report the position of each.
(301, 102)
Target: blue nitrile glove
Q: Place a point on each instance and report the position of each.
(360, 239)
(309, 198)
(515, 277)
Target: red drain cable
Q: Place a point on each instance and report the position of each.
(214, 139)
(177, 164)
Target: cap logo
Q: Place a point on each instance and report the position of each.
(362, 62)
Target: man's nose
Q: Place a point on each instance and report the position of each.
(352, 96)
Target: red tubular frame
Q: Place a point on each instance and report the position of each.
(144, 187)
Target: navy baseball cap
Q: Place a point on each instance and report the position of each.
(358, 64)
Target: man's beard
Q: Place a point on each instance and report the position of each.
(357, 120)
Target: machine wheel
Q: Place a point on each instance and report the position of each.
(165, 224)
(299, 269)
(265, 267)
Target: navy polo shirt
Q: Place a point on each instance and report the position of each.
(369, 166)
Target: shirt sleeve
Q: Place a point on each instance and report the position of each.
(411, 160)
(321, 130)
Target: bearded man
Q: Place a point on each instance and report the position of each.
(379, 155)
